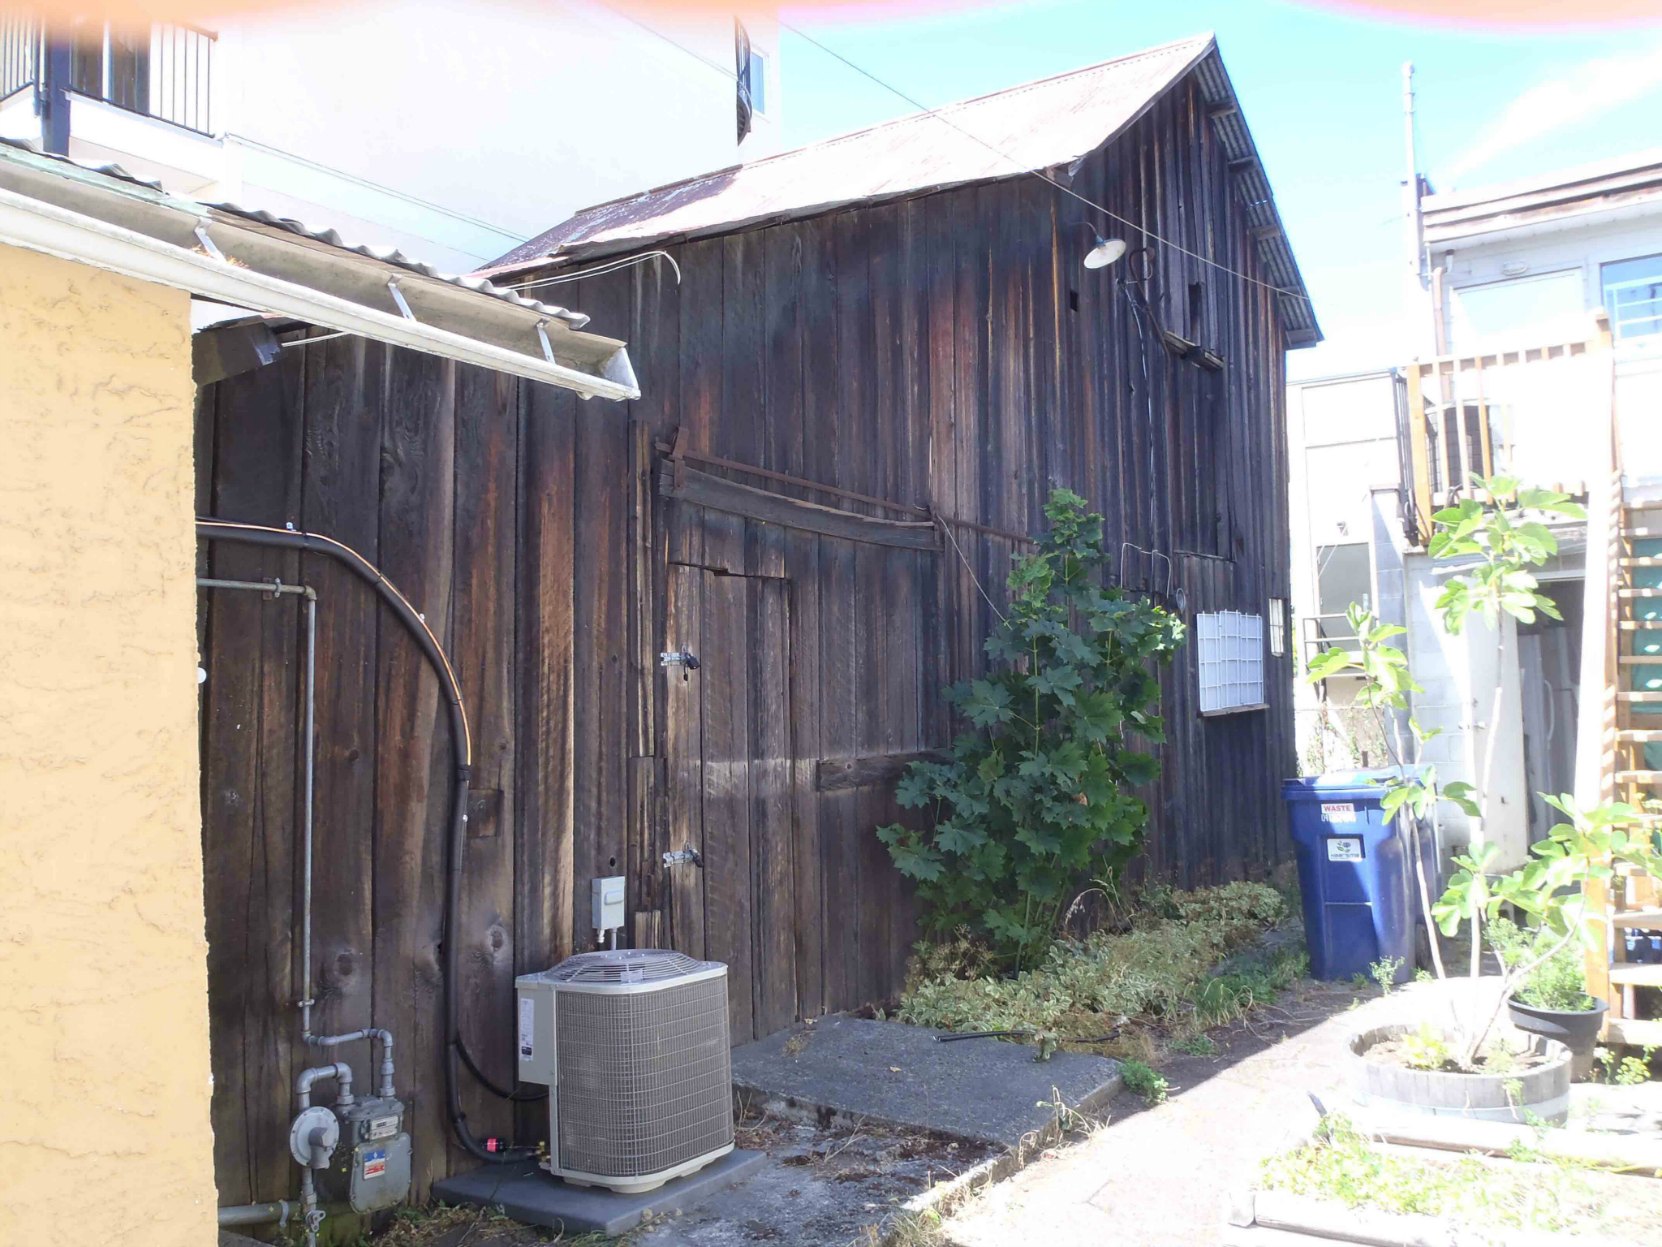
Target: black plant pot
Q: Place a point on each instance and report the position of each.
(1578, 1030)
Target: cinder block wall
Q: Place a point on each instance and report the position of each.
(104, 1127)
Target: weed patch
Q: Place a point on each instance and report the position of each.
(1144, 1081)
(1156, 968)
(1339, 1164)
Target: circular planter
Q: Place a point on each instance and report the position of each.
(1542, 1092)
(1578, 1031)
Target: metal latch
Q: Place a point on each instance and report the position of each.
(684, 857)
(683, 658)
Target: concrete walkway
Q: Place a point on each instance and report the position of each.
(1164, 1176)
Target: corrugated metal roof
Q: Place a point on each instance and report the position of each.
(250, 258)
(325, 235)
(1049, 124)
(1039, 125)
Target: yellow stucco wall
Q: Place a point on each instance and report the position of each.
(104, 1127)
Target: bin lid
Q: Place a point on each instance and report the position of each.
(1364, 784)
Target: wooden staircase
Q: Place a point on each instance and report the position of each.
(1630, 964)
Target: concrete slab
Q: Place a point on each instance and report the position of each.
(528, 1194)
(1165, 1176)
(983, 1090)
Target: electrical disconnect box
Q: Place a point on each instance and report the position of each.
(371, 1166)
(608, 903)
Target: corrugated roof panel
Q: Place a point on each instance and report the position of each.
(1039, 125)
(327, 236)
(1050, 124)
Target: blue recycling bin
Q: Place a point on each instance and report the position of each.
(1353, 871)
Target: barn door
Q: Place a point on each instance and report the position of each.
(729, 774)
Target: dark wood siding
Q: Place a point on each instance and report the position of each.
(947, 354)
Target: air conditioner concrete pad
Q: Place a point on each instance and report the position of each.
(984, 1090)
(530, 1195)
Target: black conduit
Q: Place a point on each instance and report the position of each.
(461, 740)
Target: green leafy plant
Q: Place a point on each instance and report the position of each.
(1427, 1048)
(1144, 1080)
(1195, 1045)
(1474, 1199)
(1625, 1071)
(1498, 535)
(1036, 798)
(1158, 971)
(1384, 973)
(1558, 980)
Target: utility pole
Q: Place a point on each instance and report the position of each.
(1416, 307)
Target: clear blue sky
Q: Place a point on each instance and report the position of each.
(1320, 90)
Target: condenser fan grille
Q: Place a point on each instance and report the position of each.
(624, 965)
(645, 1077)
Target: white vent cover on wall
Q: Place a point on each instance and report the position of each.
(1231, 649)
(633, 1047)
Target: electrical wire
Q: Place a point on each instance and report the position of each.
(731, 75)
(968, 566)
(1148, 399)
(610, 266)
(1035, 173)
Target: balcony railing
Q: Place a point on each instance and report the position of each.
(164, 71)
(1523, 412)
(19, 52)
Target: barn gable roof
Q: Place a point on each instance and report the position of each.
(1050, 124)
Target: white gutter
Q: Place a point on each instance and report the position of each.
(47, 228)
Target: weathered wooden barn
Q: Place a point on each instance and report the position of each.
(866, 367)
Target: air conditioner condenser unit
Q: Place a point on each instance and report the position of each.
(633, 1047)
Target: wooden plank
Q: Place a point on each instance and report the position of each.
(600, 654)
(724, 676)
(840, 774)
(772, 865)
(1419, 453)
(873, 733)
(655, 343)
(648, 839)
(249, 789)
(733, 385)
(344, 400)
(818, 894)
(690, 485)
(684, 754)
(544, 880)
(486, 572)
(414, 758)
(838, 810)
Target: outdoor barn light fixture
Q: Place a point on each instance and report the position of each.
(1104, 252)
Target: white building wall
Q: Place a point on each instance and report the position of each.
(1473, 697)
(451, 129)
(1554, 270)
(1342, 451)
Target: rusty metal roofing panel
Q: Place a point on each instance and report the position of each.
(1050, 124)
(1040, 125)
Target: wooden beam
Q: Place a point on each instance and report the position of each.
(841, 774)
(1421, 455)
(702, 489)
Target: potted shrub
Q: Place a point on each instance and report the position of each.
(1551, 1000)
(1459, 1064)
